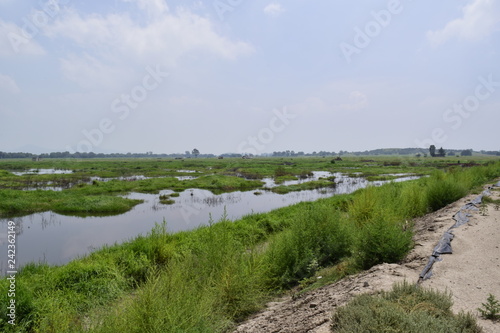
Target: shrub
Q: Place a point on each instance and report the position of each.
(490, 309)
(381, 241)
(413, 200)
(317, 236)
(442, 191)
(405, 309)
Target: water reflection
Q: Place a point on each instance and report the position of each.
(42, 172)
(56, 239)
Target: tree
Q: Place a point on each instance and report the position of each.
(441, 152)
(195, 152)
(466, 152)
(432, 150)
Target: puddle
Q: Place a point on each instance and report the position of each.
(45, 188)
(185, 177)
(270, 183)
(139, 177)
(128, 178)
(42, 172)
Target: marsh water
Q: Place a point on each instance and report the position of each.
(56, 239)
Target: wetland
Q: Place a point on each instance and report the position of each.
(133, 246)
(62, 214)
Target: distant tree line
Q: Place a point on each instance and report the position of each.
(67, 154)
(285, 153)
(292, 153)
(491, 152)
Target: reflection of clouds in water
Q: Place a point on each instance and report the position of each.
(73, 247)
(42, 172)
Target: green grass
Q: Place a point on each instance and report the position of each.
(208, 279)
(311, 185)
(316, 237)
(100, 197)
(215, 175)
(13, 202)
(405, 309)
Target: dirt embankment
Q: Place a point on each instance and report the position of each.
(470, 274)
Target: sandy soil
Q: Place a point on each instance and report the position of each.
(470, 273)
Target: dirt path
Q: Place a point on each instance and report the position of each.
(470, 273)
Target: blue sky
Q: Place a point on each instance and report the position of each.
(248, 76)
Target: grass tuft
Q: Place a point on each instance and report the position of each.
(405, 309)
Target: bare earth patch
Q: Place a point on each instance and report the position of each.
(470, 274)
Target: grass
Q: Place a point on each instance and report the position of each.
(208, 279)
(405, 309)
(316, 237)
(100, 197)
(310, 185)
(218, 176)
(13, 202)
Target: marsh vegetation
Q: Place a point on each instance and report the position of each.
(209, 278)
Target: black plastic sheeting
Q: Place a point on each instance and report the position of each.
(444, 244)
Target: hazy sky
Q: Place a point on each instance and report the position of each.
(248, 76)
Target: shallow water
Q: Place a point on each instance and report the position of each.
(56, 239)
(42, 172)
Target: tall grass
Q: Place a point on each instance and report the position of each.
(208, 279)
(316, 237)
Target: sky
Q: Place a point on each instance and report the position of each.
(242, 76)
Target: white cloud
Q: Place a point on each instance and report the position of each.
(169, 36)
(117, 41)
(357, 101)
(8, 84)
(14, 41)
(273, 9)
(480, 18)
(91, 73)
(152, 7)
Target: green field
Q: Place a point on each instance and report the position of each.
(80, 195)
(208, 279)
